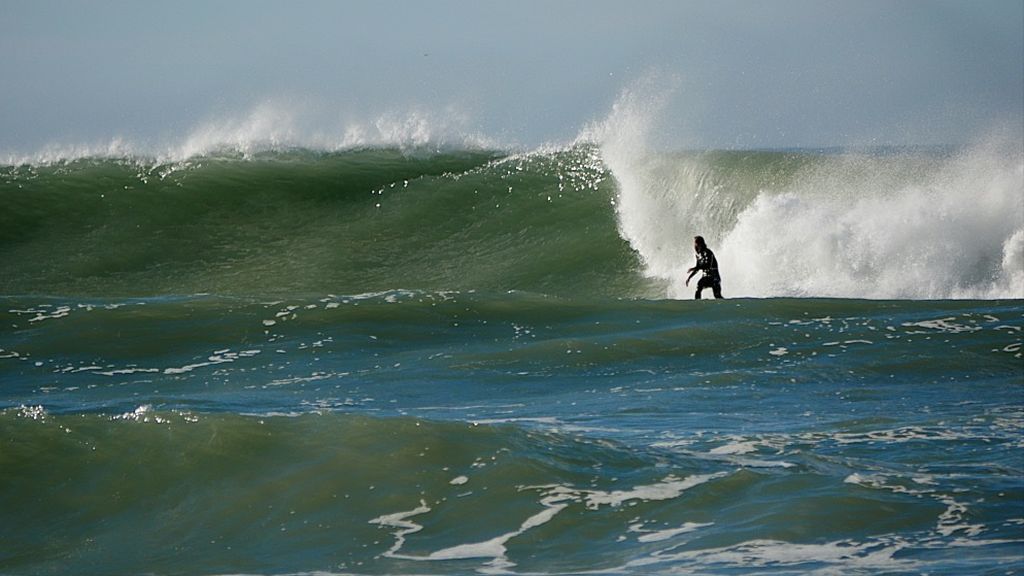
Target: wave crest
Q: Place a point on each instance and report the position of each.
(274, 127)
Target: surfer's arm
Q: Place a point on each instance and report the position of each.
(701, 264)
(692, 271)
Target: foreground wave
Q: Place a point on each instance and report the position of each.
(178, 492)
(450, 432)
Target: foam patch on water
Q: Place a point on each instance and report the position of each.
(735, 450)
(555, 498)
(951, 521)
(219, 357)
(903, 434)
(838, 556)
(400, 520)
(493, 549)
(44, 312)
(944, 325)
(667, 533)
(671, 487)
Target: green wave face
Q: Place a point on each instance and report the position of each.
(310, 222)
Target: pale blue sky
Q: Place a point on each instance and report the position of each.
(748, 73)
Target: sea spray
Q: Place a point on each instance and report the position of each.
(654, 200)
(942, 234)
(917, 223)
(278, 126)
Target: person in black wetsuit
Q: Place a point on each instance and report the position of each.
(705, 261)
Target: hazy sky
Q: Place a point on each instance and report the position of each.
(746, 73)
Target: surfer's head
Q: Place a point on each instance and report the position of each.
(698, 243)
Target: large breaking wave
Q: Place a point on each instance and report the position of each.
(264, 204)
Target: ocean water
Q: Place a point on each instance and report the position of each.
(392, 359)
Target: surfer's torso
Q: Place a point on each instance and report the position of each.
(706, 261)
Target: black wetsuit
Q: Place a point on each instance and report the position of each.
(706, 261)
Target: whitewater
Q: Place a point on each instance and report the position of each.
(287, 346)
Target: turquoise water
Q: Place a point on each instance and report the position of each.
(412, 362)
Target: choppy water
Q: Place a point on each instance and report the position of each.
(384, 361)
(415, 432)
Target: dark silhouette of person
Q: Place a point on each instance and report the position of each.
(705, 261)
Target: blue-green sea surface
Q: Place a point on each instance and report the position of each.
(394, 362)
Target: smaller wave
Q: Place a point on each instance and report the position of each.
(296, 493)
(288, 494)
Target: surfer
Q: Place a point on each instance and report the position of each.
(705, 261)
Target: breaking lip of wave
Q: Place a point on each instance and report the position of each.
(269, 127)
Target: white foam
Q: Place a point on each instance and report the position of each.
(59, 312)
(850, 229)
(493, 549)
(736, 448)
(733, 450)
(901, 435)
(555, 499)
(222, 358)
(845, 554)
(671, 487)
(127, 371)
(401, 521)
(274, 125)
(668, 533)
(650, 210)
(929, 241)
(951, 520)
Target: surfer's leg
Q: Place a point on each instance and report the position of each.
(717, 289)
(701, 285)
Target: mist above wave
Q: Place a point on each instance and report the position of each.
(271, 126)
